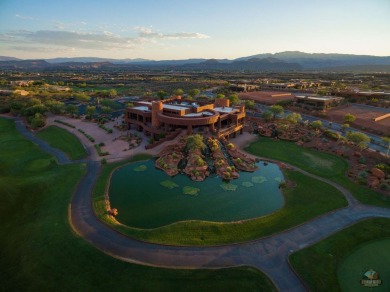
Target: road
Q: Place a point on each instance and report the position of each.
(269, 254)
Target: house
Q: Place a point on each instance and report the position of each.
(165, 116)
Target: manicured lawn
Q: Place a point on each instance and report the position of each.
(40, 252)
(302, 203)
(322, 164)
(63, 140)
(333, 251)
(374, 255)
(316, 162)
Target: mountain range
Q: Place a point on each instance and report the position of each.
(283, 61)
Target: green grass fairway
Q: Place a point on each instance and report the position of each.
(374, 255)
(333, 253)
(322, 164)
(302, 203)
(63, 140)
(40, 252)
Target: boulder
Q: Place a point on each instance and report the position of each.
(377, 172)
(373, 181)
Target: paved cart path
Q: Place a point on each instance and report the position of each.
(269, 254)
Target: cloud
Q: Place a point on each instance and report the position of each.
(24, 17)
(146, 32)
(96, 41)
(39, 49)
(102, 40)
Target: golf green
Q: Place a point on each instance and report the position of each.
(372, 256)
(148, 198)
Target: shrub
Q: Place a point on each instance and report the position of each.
(108, 130)
(384, 187)
(362, 160)
(100, 152)
(384, 167)
(65, 123)
(103, 161)
(89, 137)
(331, 135)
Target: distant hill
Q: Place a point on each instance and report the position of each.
(4, 58)
(283, 61)
(24, 64)
(317, 61)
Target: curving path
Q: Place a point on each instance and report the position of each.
(268, 254)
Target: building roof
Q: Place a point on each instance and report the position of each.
(174, 107)
(141, 108)
(323, 98)
(224, 109)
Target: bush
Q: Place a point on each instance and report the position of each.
(331, 135)
(38, 121)
(384, 167)
(362, 160)
(100, 152)
(384, 187)
(89, 137)
(108, 130)
(65, 123)
(103, 161)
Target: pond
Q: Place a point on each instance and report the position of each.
(148, 198)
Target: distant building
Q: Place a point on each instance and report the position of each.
(320, 103)
(279, 86)
(162, 117)
(243, 87)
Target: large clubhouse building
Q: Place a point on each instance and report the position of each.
(165, 116)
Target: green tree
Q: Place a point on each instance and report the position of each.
(344, 127)
(387, 140)
(194, 92)
(161, 94)
(57, 108)
(276, 110)
(349, 118)
(112, 93)
(178, 92)
(294, 118)
(71, 109)
(234, 99)
(267, 115)
(220, 95)
(106, 109)
(82, 97)
(316, 124)
(249, 104)
(38, 121)
(195, 142)
(90, 111)
(360, 139)
(32, 110)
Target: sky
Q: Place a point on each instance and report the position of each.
(184, 29)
